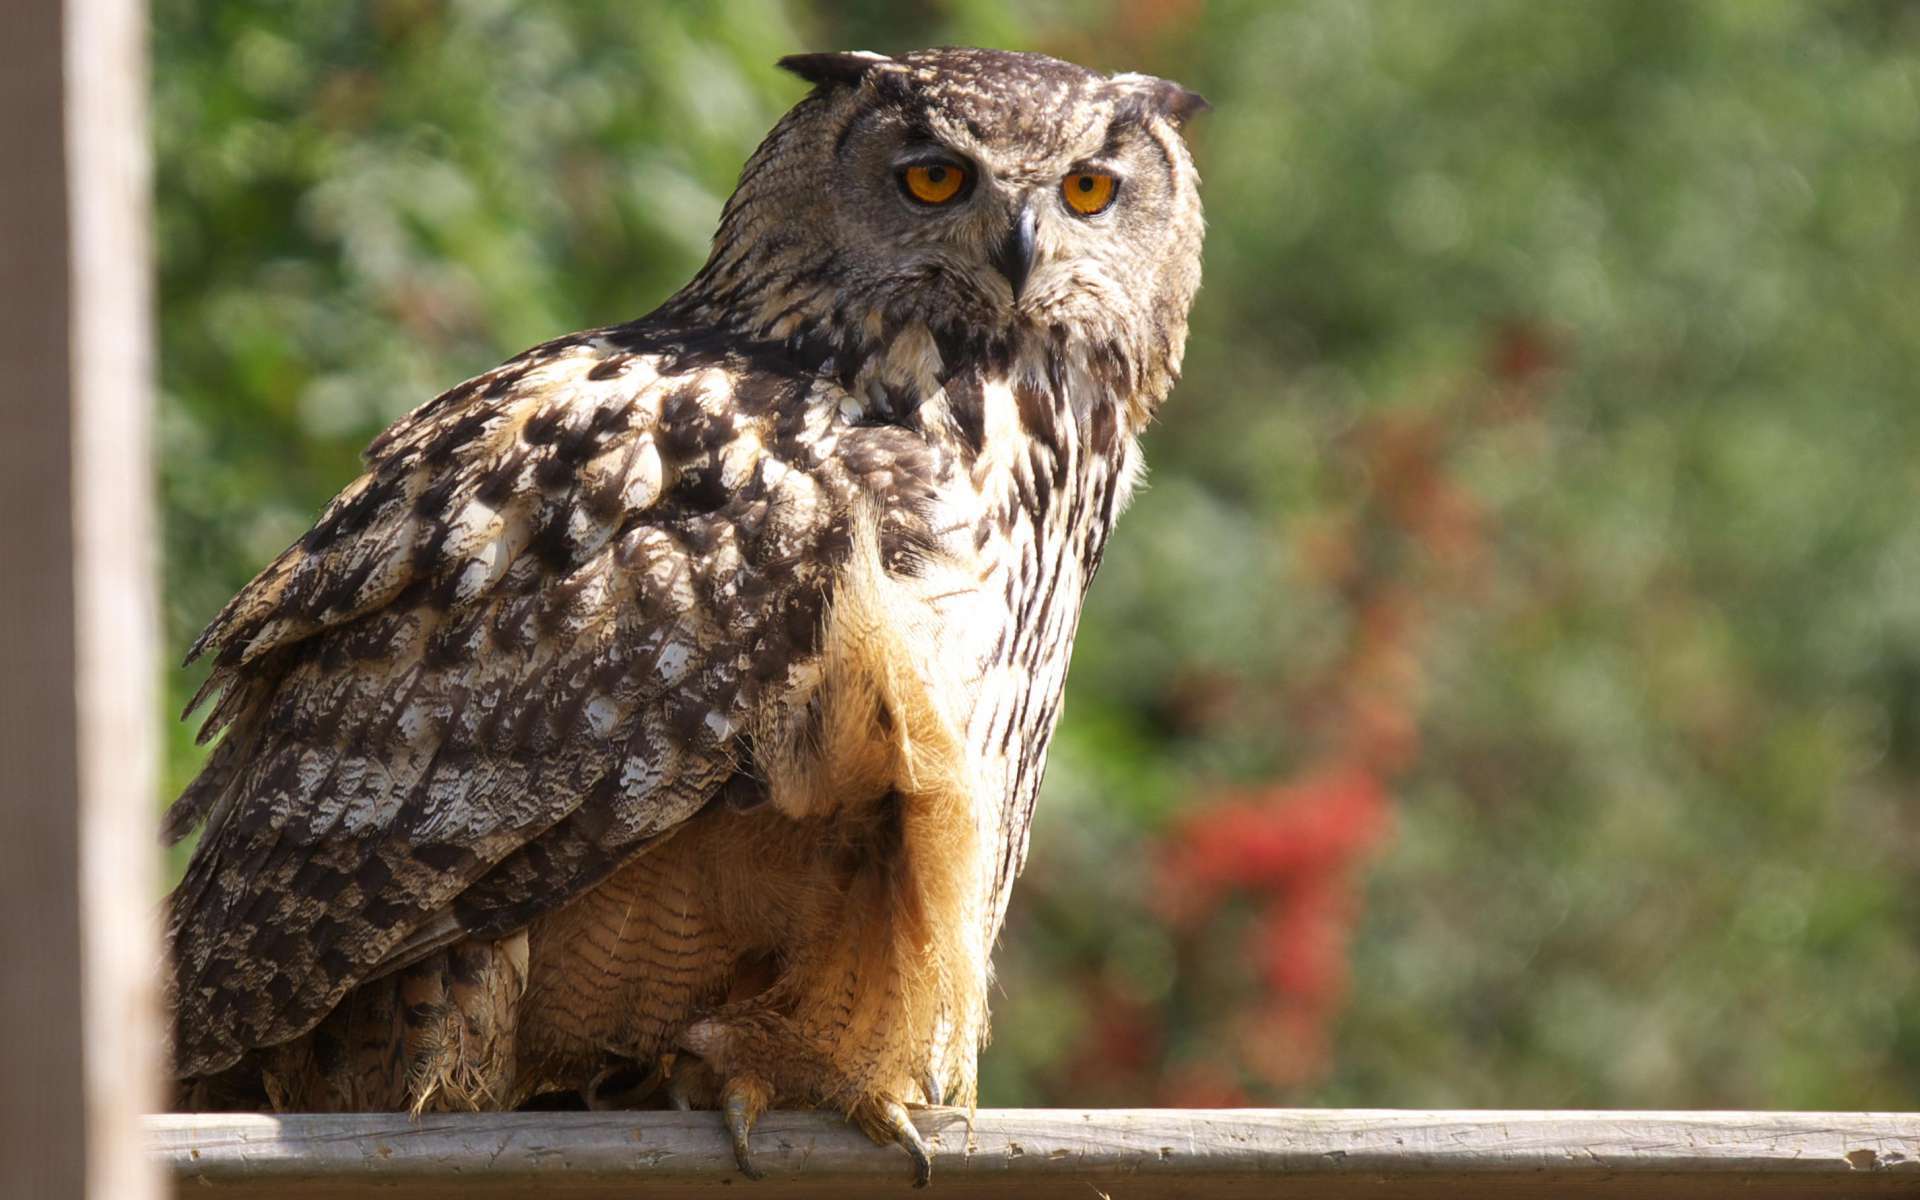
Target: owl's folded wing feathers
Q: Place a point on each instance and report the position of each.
(515, 650)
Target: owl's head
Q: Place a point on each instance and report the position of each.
(976, 189)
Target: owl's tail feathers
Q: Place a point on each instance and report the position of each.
(435, 1036)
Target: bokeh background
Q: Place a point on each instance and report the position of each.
(1508, 690)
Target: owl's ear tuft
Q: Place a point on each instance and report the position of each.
(1165, 98)
(838, 66)
(1177, 104)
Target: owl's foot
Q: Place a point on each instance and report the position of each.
(745, 1097)
(885, 1120)
(744, 1067)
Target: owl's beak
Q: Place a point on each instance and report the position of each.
(1013, 257)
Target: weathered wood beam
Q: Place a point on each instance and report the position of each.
(78, 868)
(1135, 1154)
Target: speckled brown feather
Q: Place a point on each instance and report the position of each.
(504, 670)
(676, 694)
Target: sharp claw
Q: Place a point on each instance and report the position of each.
(677, 1093)
(894, 1119)
(930, 1084)
(745, 1099)
(740, 1125)
(600, 1097)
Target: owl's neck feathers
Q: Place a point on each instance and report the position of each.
(899, 366)
(894, 354)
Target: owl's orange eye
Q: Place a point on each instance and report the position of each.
(934, 183)
(1089, 192)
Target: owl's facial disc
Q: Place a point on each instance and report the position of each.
(973, 225)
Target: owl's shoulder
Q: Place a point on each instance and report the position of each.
(532, 468)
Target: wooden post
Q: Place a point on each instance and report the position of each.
(78, 869)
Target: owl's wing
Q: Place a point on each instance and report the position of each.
(519, 647)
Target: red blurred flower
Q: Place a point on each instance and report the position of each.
(1265, 840)
(1295, 851)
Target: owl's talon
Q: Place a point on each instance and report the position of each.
(930, 1084)
(606, 1092)
(745, 1098)
(887, 1121)
(677, 1089)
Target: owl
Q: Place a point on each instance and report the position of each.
(658, 719)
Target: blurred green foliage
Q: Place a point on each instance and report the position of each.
(1546, 467)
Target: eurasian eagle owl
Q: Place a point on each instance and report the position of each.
(661, 713)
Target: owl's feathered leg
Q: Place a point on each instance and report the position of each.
(880, 977)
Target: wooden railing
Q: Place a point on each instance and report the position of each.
(1122, 1154)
